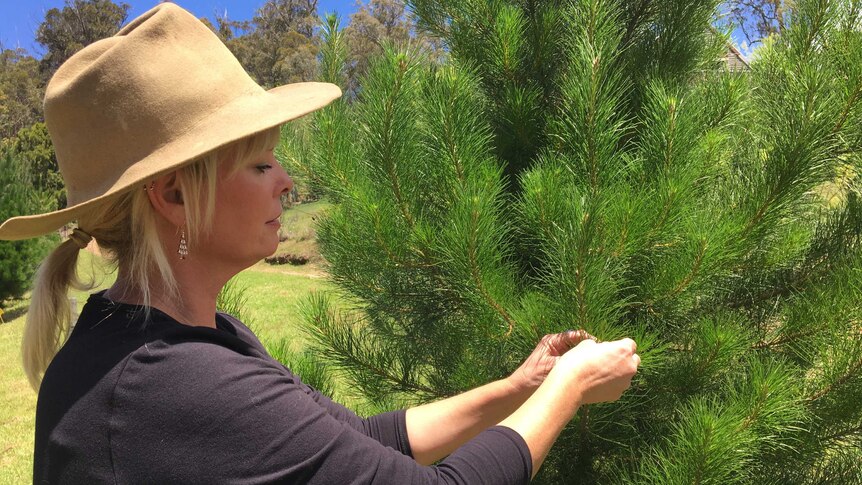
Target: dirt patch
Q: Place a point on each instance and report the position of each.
(308, 271)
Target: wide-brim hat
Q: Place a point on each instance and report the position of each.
(159, 94)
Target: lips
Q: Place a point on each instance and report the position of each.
(275, 219)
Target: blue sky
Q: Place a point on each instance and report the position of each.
(19, 19)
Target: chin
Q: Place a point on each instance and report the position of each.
(268, 253)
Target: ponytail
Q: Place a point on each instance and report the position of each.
(48, 319)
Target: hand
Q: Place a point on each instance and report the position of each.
(544, 357)
(602, 372)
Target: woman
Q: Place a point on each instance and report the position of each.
(166, 150)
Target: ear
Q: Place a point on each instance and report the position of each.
(167, 199)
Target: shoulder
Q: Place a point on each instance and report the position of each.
(186, 355)
(235, 326)
(191, 409)
(198, 397)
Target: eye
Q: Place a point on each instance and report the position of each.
(263, 167)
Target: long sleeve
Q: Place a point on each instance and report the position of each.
(239, 419)
(390, 429)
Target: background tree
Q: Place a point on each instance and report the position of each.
(20, 92)
(18, 259)
(376, 23)
(758, 19)
(589, 164)
(277, 46)
(33, 149)
(372, 24)
(78, 24)
(304, 160)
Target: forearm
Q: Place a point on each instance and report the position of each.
(437, 429)
(544, 415)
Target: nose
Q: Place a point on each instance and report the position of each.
(288, 186)
(285, 183)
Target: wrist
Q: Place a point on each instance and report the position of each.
(518, 384)
(567, 382)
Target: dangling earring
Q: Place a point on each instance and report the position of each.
(183, 250)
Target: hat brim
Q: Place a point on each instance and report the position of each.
(242, 117)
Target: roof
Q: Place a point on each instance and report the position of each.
(735, 60)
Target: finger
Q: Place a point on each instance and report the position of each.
(561, 342)
(637, 359)
(630, 343)
(587, 342)
(574, 337)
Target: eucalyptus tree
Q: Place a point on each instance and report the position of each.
(79, 23)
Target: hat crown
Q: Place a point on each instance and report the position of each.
(121, 98)
(160, 94)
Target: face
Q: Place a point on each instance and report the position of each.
(247, 212)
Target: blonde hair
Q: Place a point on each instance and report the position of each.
(125, 229)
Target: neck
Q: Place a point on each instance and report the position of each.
(193, 304)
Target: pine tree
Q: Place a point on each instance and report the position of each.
(32, 146)
(590, 164)
(18, 259)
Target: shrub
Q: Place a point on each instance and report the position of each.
(18, 259)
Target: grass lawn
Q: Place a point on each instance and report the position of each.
(272, 293)
(17, 403)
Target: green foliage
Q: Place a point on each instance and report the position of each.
(32, 146)
(380, 22)
(277, 46)
(517, 49)
(78, 24)
(312, 370)
(232, 299)
(20, 93)
(590, 164)
(323, 150)
(18, 259)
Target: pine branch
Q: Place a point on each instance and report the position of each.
(477, 278)
(349, 361)
(341, 338)
(393, 258)
(855, 96)
(814, 25)
(758, 215)
(659, 225)
(843, 433)
(387, 157)
(852, 372)
(635, 21)
(785, 339)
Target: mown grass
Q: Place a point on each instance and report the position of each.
(272, 294)
(17, 402)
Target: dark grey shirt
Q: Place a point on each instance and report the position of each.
(164, 402)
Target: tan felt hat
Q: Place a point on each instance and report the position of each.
(159, 94)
